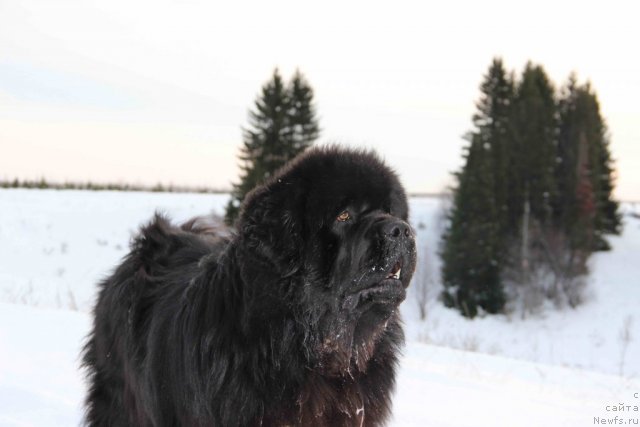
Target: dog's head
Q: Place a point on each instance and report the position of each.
(334, 221)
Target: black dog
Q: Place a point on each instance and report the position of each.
(293, 321)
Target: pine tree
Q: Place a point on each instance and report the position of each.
(302, 115)
(471, 271)
(474, 240)
(533, 152)
(575, 201)
(537, 243)
(493, 123)
(569, 131)
(281, 126)
(585, 208)
(607, 217)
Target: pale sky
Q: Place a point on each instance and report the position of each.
(146, 92)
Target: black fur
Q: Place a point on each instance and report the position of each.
(291, 321)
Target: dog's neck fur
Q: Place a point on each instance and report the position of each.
(334, 393)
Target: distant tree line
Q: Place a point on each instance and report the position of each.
(42, 183)
(534, 197)
(282, 124)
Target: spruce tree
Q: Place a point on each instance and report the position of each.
(533, 152)
(585, 208)
(302, 116)
(493, 124)
(282, 125)
(474, 241)
(569, 134)
(574, 209)
(536, 242)
(608, 219)
(471, 253)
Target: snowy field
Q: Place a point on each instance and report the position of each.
(556, 368)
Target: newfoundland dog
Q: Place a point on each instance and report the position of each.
(293, 320)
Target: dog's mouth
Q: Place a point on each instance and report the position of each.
(385, 290)
(396, 270)
(384, 284)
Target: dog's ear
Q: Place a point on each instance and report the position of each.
(270, 226)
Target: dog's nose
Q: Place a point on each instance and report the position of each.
(394, 229)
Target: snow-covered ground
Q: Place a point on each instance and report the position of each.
(560, 367)
(56, 245)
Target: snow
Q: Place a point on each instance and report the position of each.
(61, 243)
(558, 367)
(444, 387)
(40, 384)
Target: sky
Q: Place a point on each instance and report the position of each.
(146, 92)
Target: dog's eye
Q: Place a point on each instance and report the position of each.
(344, 216)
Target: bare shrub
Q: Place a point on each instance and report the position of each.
(470, 343)
(442, 217)
(423, 281)
(27, 295)
(72, 300)
(547, 269)
(425, 277)
(625, 338)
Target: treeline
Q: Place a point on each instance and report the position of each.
(282, 124)
(534, 197)
(92, 186)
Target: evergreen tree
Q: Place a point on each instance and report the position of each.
(493, 124)
(303, 123)
(533, 152)
(569, 134)
(585, 207)
(471, 271)
(474, 240)
(575, 202)
(608, 219)
(281, 126)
